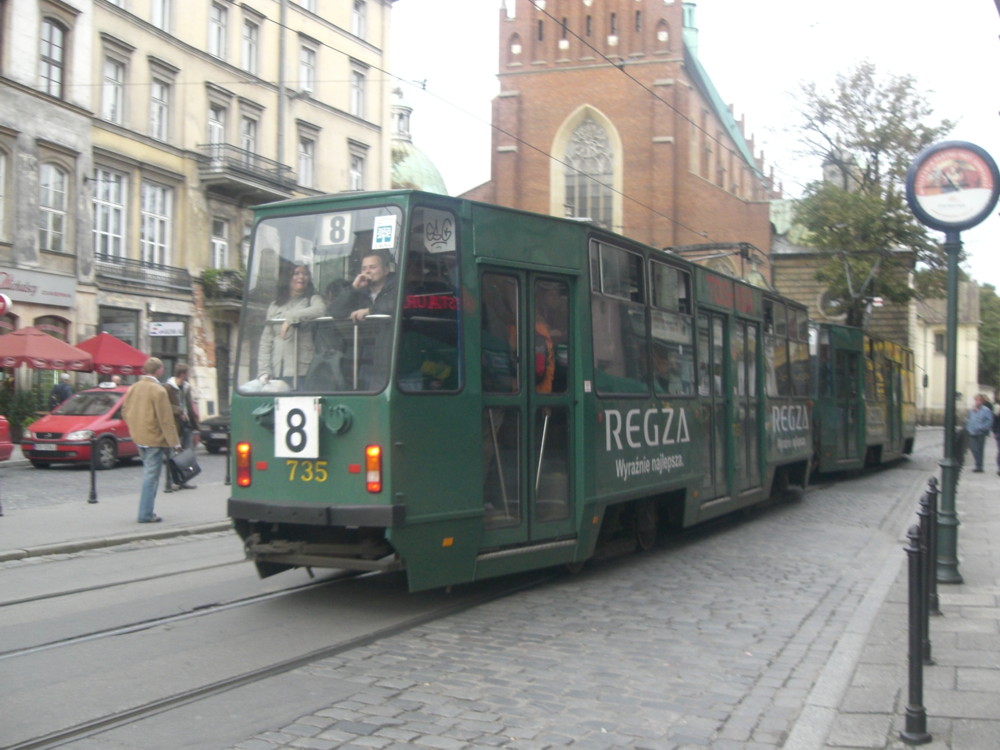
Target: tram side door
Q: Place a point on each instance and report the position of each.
(746, 453)
(712, 387)
(526, 363)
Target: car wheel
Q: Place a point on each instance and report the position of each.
(107, 453)
(40, 464)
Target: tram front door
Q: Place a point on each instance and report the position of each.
(526, 375)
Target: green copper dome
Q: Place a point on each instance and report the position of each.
(411, 169)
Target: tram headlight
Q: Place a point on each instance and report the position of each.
(243, 456)
(373, 468)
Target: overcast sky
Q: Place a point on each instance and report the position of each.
(757, 55)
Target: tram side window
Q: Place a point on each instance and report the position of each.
(619, 320)
(798, 352)
(500, 355)
(428, 345)
(672, 331)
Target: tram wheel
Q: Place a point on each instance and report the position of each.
(575, 567)
(646, 521)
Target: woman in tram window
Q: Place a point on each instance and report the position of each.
(286, 347)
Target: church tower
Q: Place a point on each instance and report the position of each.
(605, 112)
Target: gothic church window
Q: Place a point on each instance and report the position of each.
(589, 173)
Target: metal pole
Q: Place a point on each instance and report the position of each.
(926, 565)
(93, 471)
(947, 536)
(915, 729)
(933, 605)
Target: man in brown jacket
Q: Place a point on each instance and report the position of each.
(150, 419)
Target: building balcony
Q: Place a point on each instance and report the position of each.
(136, 274)
(243, 175)
(223, 288)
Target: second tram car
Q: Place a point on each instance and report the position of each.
(459, 390)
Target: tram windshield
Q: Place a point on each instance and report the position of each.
(323, 302)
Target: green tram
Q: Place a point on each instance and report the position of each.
(865, 410)
(516, 391)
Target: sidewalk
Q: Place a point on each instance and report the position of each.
(71, 527)
(961, 690)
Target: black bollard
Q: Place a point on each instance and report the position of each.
(926, 573)
(915, 728)
(933, 605)
(93, 471)
(228, 457)
(1, 507)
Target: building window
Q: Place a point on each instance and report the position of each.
(154, 230)
(307, 161)
(109, 213)
(217, 18)
(248, 139)
(307, 69)
(358, 81)
(52, 200)
(52, 57)
(359, 18)
(939, 343)
(161, 14)
(251, 40)
(220, 243)
(216, 130)
(159, 110)
(3, 195)
(356, 175)
(113, 91)
(589, 173)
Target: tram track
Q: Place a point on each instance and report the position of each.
(134, 714)
(115, 584)
(203, 610)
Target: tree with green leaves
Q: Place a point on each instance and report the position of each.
(866, 131)
(989, 336)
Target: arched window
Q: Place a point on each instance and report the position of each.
(514, 49)
(589, 173)
(53, 186)
(662, 37)
(52, 57)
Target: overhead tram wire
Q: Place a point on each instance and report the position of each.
(423, 87)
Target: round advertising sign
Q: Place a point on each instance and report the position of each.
(5, 304)
(952, 185)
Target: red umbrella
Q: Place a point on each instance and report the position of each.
(37, 349)
(113, 356)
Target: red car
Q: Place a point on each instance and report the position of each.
(6, 447)
(65, 435)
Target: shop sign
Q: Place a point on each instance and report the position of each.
(166, 328)
(38, 287)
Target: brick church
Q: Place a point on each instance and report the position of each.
(605, 112)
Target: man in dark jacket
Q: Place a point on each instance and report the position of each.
(60, 391)
(185, 418)
(373, 292)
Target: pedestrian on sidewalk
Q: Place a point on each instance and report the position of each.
(978, 425)
(178, 390)
(150, 419)
(60, 392)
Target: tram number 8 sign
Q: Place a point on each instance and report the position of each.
(296, 427)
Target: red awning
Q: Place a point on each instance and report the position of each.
(112, 356)
(37, 349)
